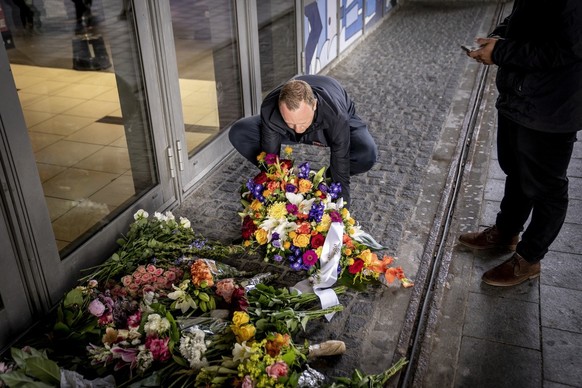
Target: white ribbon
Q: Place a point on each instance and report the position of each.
(330, 257)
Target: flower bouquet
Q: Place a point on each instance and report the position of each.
(298, 216)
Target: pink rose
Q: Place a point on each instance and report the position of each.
(278, 369)
(126, 280)
(247, 382)
(159, 348)
(225, 288)
(96, 308)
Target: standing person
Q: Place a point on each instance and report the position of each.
(310, 109)
(538, 51)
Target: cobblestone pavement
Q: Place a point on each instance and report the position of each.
(411, 82)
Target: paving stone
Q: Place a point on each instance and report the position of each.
(561, 308)
(562, 270)
(504, 320)
(487, 364)
(561, 350)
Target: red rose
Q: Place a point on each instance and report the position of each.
(260, 178)
(248, 228)
(356, 267)
(286, 164)
(317, 240)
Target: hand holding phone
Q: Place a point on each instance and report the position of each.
(468, 49)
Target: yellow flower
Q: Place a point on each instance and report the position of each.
(345, 213)
(350, 261)
(351, 221)
(262, 236)
(305, 186)
(324, 224)
(240, 318)
(244, 332)
(292, 234)
(287, 245)
(366, 256)
(267, 193)
(347, 252)
(301, 240)
(288, 150)
(256, 205)
(318, 251)
(277, 210)
(261, 156)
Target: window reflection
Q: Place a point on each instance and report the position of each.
(208, 67)
(76, 67)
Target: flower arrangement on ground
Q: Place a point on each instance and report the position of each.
(298, 216)
(163, 317)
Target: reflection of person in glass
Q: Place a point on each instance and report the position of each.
(84, 18)
(310, 109)
(26, 14)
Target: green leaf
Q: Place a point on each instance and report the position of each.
(61, 327)
(15, 379)
(73, 297)
(19, 356)
(43, 369)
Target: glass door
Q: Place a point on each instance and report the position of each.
(89, 108)
(277, 26)
(208, 61)
(229, 54)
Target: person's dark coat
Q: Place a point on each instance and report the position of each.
(539, 55)
(330, 127)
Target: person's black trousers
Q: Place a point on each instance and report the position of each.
(245, 136)
(536, 165)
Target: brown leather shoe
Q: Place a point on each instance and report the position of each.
(489, 238)
(512, 272)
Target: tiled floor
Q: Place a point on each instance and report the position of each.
(83, 163)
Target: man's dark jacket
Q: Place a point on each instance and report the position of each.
(330, 127)
(540, 65)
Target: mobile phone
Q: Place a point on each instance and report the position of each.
(468, 49)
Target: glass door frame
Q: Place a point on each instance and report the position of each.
(49, 275)
(193, 169)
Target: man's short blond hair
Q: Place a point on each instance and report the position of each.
(295, 91)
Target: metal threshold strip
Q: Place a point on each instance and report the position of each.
(434, 249)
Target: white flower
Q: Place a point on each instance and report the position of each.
(159, 216)
(241, 351)
(184, 223)
(156, 324)
(170, 216)
(278, 225)
(140, 214)
(303, 205)
(183, 300)
(193, 347)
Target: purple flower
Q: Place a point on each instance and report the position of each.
(96, 308)
(304, 170)
(271, 158)
(290, 188)
(278, 258)
(291, 208)
(335, 216)
(310, 258)
(297, 266)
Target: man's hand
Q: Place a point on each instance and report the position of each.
(483, 53)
